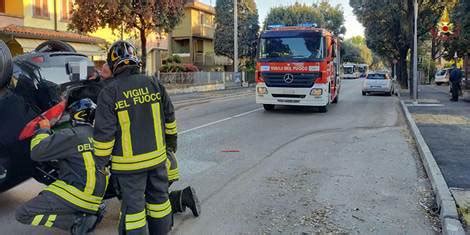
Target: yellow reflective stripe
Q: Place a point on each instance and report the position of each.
(158, 207)
(74, 196)
(171, 131)
(139, 165)
(136, 224)
(77, 192)
(125, 124)
(157, 125)
(90, 172)
(50, 220)
(135, 217)
(103, 145)
(158, 211)
(138, 158)
(173, 177)
(37, 219)
(170, 125)
(103, 153)
(103, 149)
(37, 139)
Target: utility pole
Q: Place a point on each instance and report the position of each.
(235, 36)
(415, 53)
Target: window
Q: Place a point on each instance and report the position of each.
(66, 9)
(2, 6)
(40, 8)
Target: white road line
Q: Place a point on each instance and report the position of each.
(219, 121)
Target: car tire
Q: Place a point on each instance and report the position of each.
(268, 107)
(323, 109)
(438, 83)
(55, 46)
(364, 93)
(6, 65)
(388, 93)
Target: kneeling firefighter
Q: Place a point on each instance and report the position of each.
(73, 202)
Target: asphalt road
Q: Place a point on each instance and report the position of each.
(353, 169)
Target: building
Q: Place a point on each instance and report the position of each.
(193, 37)
(24, 24)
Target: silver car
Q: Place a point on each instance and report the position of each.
(378, 82)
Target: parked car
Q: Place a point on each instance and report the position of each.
(378, 82)
(442, 77)
(31, 84)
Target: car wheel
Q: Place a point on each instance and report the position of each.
(55, 46)
(268, 107)
(438, 83)
(6, 66)
(364, 93)
(323, 109)
(388, 93)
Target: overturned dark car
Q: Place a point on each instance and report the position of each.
(31, 85)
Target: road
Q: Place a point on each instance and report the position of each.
(353, 169)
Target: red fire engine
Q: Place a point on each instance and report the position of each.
(297, 65)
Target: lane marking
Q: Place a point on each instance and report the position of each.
(219, 121)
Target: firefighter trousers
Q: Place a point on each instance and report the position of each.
(145, 203)
(47, 210)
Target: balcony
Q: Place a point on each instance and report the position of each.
(205, 31)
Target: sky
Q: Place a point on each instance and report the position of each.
(353, 27)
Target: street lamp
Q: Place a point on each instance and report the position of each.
(235, 37)
(415, 54)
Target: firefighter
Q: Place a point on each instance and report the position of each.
(135, 123)
(179, 199)
(73, 202)
(455, 80)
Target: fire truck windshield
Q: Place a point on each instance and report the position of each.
(301, 47)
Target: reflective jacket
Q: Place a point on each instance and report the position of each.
(134, 121)
(82, 177)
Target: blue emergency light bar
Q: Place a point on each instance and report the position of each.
(305, 25)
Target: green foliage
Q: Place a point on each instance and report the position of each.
(389, 27)
(461, 18)
(355, 50)
(323, 14)
(248, 28)
(141, 16)
(174, 59)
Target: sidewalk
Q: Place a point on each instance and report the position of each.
(445, 127)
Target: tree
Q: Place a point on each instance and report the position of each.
(143, 17)
(354, 50)
(389, 30)
(248, 28)
(323, 14)
(461, 19)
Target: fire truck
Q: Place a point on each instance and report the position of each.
(297, 66)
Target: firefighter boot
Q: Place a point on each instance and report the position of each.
(99, 215)
(176, 202)
(189, 199)
(83, 224)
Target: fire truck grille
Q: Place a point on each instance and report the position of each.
(303, 80)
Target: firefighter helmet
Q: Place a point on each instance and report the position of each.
(122, 53)
(82, 111)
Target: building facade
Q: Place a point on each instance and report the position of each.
(24, 24)
(193, 37)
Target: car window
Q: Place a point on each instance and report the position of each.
(376, 76)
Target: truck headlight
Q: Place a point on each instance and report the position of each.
(316, 92)
(262, 90)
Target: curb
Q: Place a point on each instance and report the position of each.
(448, 211)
